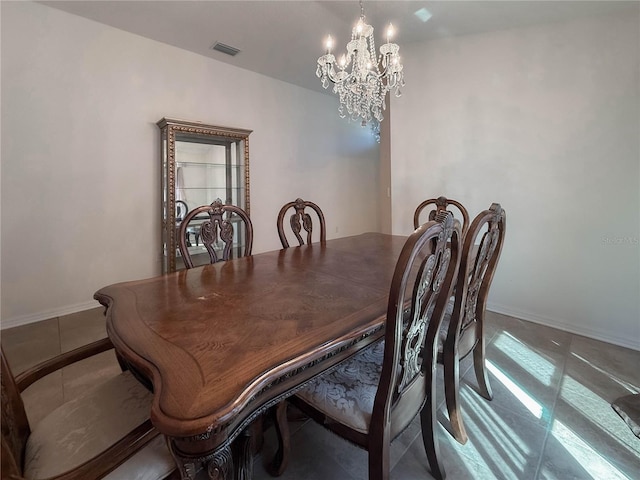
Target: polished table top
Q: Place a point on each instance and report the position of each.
(221, 341)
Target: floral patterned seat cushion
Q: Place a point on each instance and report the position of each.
(346, 394)
(87, 425)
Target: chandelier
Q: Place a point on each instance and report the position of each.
(360, 78)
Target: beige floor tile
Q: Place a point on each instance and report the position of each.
(585, 411)
(608, 370)
(81, 328)
(524, 379)
(588, 440)
(310, 459)
(495, 322)
(27, 345)
(501, 445)
(506, 441)
(414, 464)
(550, 418)
(546, 341)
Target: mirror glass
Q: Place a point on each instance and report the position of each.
(200, 164)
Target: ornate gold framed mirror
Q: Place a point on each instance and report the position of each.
(200, 164)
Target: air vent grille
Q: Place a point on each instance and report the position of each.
(221, 47)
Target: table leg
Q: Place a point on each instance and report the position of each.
(187, 469)
(244, 455)
(220, 467)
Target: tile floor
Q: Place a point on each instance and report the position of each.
(550, 419)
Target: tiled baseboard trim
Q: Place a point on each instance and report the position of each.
(56, 312)
(596, 334)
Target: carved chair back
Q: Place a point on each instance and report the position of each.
(465, 332)
(480, 254)
(442, 204)
(422, 283)
(220, 225)
(300, 219)
(181, 210)
(15, 426)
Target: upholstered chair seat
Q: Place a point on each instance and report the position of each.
(347, 393)
(84, 427)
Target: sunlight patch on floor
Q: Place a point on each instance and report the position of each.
(504, 434)
(537, 366)
(527, 400)
(592, 406)
(488, 450)
(581, 398)
(589, 459)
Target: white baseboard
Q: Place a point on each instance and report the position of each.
(39, 316)
(596, 334)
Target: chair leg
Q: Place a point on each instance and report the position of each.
(452, 394)
(480, 370)
(429, 424)
(281, 457)
(379, 460)
(257, 434)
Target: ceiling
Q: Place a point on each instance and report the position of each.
(283, 39)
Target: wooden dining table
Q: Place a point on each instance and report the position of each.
(221, 344)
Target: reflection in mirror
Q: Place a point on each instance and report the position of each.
(200, 164)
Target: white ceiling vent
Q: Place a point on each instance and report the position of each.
(221, 47)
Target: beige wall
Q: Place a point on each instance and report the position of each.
(546, 121)
(80, 154)
(385, 173)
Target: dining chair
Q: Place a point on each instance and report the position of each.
(441, 204)
(103, 433)
(299, 220)
(219, 232)
(181, 211)
(463, 326)
(373, 396)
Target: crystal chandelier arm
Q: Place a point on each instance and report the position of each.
(361, 78)
(329, 69)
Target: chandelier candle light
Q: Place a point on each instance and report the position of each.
(363, 90)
